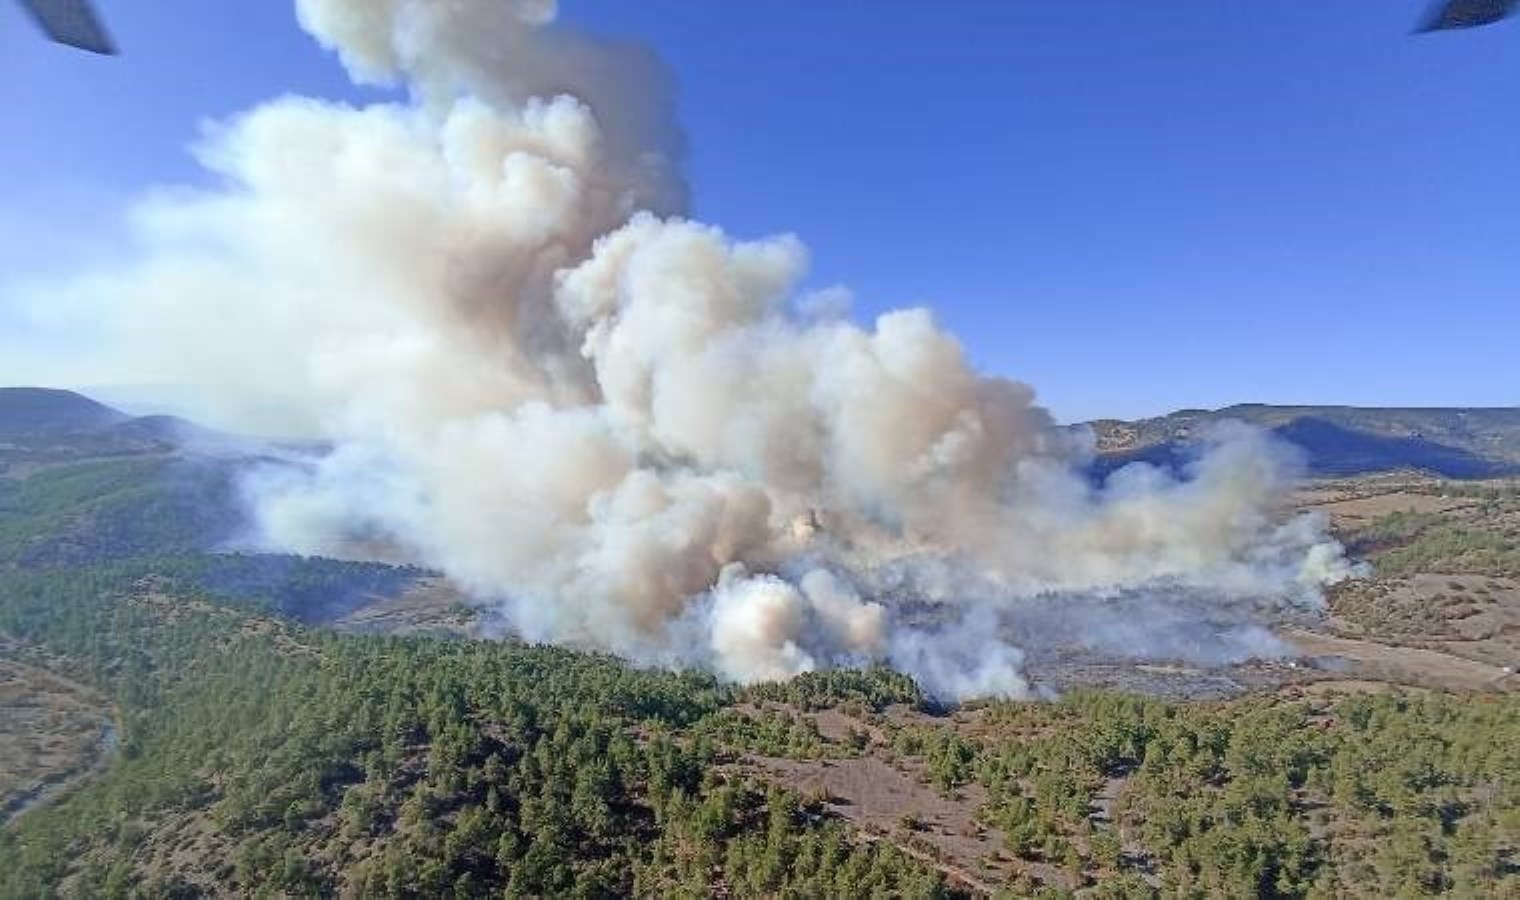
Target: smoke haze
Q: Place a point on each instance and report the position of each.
(625, 430)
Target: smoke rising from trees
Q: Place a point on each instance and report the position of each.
(623, 429)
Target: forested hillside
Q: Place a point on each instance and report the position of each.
(245, 750)
(259, 756)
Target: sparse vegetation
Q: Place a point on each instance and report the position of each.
(1476, 539)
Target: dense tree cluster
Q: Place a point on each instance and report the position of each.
(855, 690)
(1380, 794)
(400, 767)
(85, 512)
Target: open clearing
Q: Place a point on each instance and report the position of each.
(888, 797)
(1404, 665)
(53, 731)
(1348, 512)
(879, 797)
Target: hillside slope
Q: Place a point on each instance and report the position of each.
(27, 411)
(1339, 440)
(43, 426)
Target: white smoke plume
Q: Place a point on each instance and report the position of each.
(620, 428)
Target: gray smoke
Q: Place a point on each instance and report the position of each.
(625, 430)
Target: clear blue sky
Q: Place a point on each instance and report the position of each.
(1133, 206)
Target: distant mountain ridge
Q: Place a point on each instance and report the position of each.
(42, 425)
(28, 411)
(1456, 442)
(1476, 442)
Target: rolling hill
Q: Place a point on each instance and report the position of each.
(47, 425)
(1338, 440)
(40, 426)
(34, 412)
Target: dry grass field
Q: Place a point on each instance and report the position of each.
(1442, 599)
(52, 731)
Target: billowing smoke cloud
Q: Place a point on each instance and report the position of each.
(625, 430)
(764, 628)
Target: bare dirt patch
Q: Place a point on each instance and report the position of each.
(887, 801)
(1467, 615)
(1414, 666)
(1353, 511)
(52, 732)
(430, 606)
(888, 798)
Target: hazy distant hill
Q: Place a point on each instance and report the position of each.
(45, 425)
(28, 412)
(1340, 440)
(42, 426)
(82, 483)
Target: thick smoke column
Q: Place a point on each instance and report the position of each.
(620, 428)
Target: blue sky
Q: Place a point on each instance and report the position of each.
(1133, 206)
